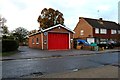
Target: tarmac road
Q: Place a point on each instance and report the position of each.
(40, 66)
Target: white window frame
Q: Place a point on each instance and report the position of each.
(97, 30)
(113, 31)
(33, 41)
(37, 40)
(81, 32)
(103, 31)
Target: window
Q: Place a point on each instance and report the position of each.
(32, 41)
(81, 32)
(37, 40)
(97, 30)
(103, 31)
(103, 41)
(118, 31)
(113, 32)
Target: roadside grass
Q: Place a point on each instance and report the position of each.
(3, 54)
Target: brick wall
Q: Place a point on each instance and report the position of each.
(83, 25)
(107, 36)
(35, 44)
(45, 40)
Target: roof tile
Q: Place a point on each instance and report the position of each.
(96, 23)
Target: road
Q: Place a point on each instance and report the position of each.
(41, 66)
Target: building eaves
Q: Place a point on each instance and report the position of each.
(57, 26)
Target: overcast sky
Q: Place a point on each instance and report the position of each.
(24, 13)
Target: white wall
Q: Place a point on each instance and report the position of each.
(90, 40)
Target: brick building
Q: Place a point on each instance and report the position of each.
(98, 29)
(57, 37)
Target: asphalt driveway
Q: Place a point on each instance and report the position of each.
(24, 52)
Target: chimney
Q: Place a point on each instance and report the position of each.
(80, 17)
(100, 19)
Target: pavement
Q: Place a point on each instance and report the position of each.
(99, 72)
(24, 52)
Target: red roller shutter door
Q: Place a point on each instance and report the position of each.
(58, 41)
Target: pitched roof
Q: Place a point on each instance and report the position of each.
(52, 28)
(97, 23)
(57, 26)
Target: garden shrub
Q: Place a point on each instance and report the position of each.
(75, 43)
(9, 45)
(102, 45)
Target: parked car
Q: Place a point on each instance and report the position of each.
(117, 44)
(111, 44)
(107, 45)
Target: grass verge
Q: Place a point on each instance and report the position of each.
(3, 54)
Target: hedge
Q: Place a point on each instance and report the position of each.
(9, 45)
(102, 45)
